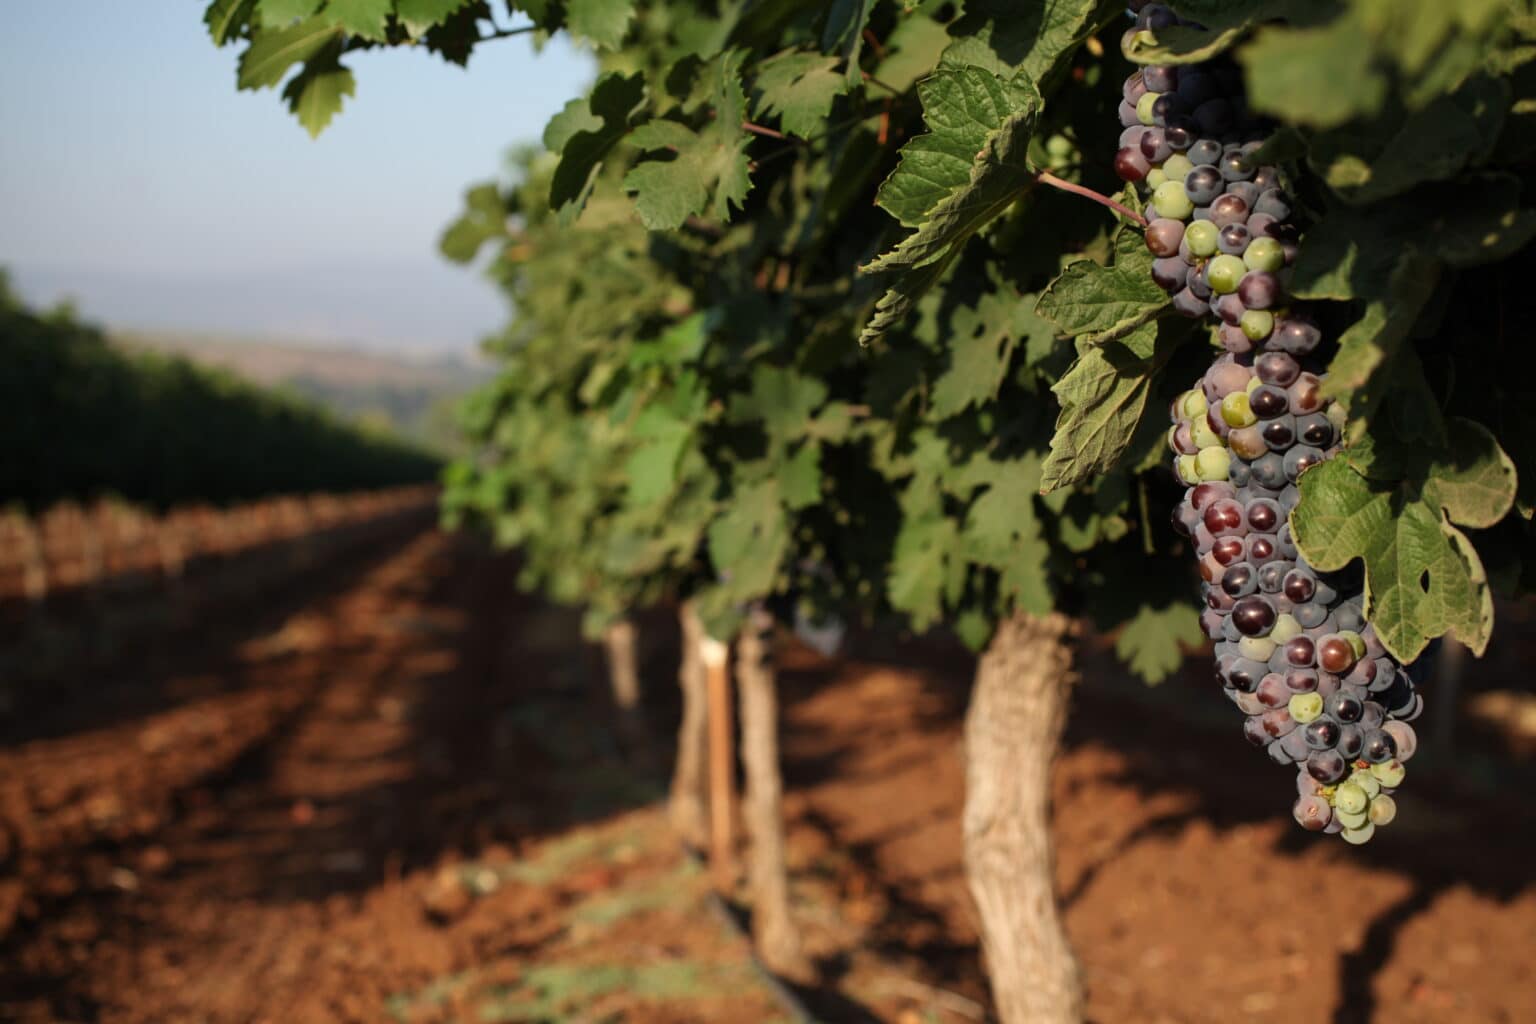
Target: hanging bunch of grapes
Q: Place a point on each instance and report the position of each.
(1293, 648)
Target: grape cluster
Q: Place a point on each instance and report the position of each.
(1293, 649)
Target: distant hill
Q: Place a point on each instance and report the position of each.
(411, 396)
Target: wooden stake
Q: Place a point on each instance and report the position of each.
(722, 762)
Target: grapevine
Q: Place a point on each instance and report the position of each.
(1293, 650)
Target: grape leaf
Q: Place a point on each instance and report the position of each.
(980, 348)
(583, 142)
(1422, 576)
(1103, 396)
(953, 181)
(225, 19)
(1032, 41)
(605, 22)
(781, 400)
(272, 52)
(911, 51)
(366, 19)
(800, 477)
(420, 15)
(799, 88)
(1326, 75)
(926, 561)
(750, 538)
(316, 93)
(278, 13)
(1095, 303)
(1152, 643)
(1450, 134)
(1003, 531)
(844, 31)
(652, 467)
(708, 162)
(484, 218)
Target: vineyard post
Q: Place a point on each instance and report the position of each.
(722, 810)
(773, 928)
(1013, 730)
(686, 805)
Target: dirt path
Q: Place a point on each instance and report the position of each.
(396, 797)
(1190, 895)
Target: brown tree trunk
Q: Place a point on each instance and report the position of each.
(686, 805)
(773, 929)
(619, 645)
(1012, 734)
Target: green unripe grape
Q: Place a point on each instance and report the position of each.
(1058, 145)
(1213, 463)
(1355, 640)
(1192, 404)
(1155, 177)
(1351, 798)
(1187, 471)
(1257, 324)
(1224, 273)
(1357, 836)
(1264, 253)
(1236, 411)
(1202, 237)
(1366, 781)
(1389, 773)
(1144, 107)
(1177, 166)
(1306, 707)
(1259, 648)
(1203, 435)
(1352, 819)
(1253, 384)
(1383, 810)
(1170, 200)
(1285, 629)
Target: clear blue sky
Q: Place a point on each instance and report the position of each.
(136, 179)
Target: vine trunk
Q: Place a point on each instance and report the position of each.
(1012, 734)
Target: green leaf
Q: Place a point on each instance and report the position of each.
(923, 559)
(226, 18)
(799, 88)
(844, 32)
(651, 468)
(1094, 303)
(980, 348)
(1033, 41)
(1325, 75)
(315, 95)
(418, 16)
(956, 179)
(911, 51)
(271, 53)
(1432, 144)
(800, 477)
(781, 400)
(1103, 396)
(366, 19)
(1422, 576)
(1152, 644)
(583, 142)
(710, 163)
(749, 540)
(1003, 531)
(278, 13)
(484, 218)
(605, 22)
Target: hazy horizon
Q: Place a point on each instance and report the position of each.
(139, 183)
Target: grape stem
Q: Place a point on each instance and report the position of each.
(1047, 178)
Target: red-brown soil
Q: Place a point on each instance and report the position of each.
(395, 795)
